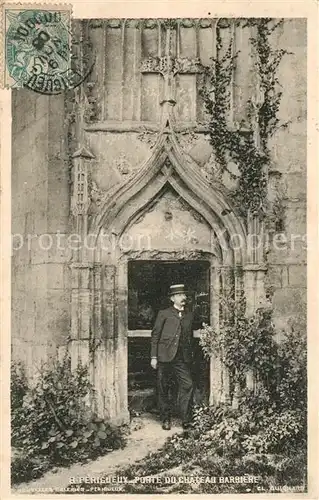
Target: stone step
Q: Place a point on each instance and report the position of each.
(142, 400)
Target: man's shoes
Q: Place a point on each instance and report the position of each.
(167, 425)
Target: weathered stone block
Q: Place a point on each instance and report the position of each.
(28, 326)
(39, 252)
(298, 127)
(112, 150)
(79, 353)
(285, 276)
(296, 185)
(274, 276)
(19, 279)
(290, 152)
(55, 276)
(39, 273)
(201, 151)
(81, 275)
(24, 102)
(293, 33)
(104, 381)
(297, 275)
(296, 222)
(287, 304)
(40, 213)
(55, 324)
(58, 251)
(41, 107)
(293, 251)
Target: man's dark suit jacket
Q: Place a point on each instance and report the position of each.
(166, 334)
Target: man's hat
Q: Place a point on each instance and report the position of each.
(173, 289)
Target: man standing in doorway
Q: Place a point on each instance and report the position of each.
(172, 353)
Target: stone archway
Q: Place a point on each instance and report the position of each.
(99, 298)
(147, 213)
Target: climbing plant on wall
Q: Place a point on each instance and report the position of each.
(249, 150)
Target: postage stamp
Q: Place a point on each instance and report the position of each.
(38, 50)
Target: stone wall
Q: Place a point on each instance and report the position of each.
(287, 265)
(117, 118)
(120, 150)
(40, 211)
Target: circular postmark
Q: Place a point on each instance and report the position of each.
(38, 52)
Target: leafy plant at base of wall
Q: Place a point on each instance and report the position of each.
(272, 417)
(244, 343)
(266, 436)
(225, 442)
(237, 146)
(53, 421)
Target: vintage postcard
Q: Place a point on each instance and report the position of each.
(158, 217)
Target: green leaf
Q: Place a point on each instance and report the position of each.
(74, 444)
(92, 426)
(96, 443)
(88, 434)
(102, 435)
(69, 432)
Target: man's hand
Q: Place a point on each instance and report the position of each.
(154, 363)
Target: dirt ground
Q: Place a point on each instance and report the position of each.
(146, 436)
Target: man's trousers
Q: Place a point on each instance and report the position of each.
(182, 372)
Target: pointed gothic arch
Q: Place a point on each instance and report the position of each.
(168, 166)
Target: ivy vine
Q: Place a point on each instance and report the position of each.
(248, 149)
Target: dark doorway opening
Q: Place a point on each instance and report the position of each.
(148, 286)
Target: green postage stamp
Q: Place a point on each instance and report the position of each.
(38, 49)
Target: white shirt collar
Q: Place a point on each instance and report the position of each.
(178, 309)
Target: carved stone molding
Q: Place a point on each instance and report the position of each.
(97, 195)
(115, 23)
(224, 22)
(187, 140)
(155, 23)
(187, 65)
(96, 23)
(169, 65)
(123, 165)
(150, 23)
(118, 23)
(80, 197)
(206, 23)
(212, 171)
(149, 137)
(91, 106)
(255, 267)
(163, 255)
(169, 23)
(188, 22)
(142, 126)
(166, 23)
